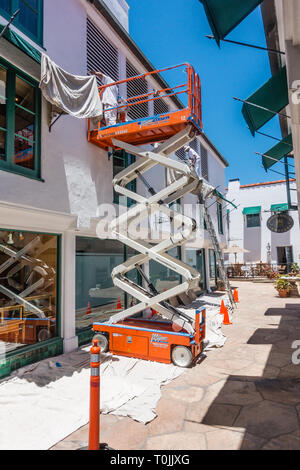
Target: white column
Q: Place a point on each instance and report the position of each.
(68, 292)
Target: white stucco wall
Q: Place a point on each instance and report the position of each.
(256, 239)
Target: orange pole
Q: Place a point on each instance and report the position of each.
(94, 428)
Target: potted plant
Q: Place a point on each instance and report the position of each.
(283, 287)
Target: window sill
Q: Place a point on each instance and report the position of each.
(24, 175)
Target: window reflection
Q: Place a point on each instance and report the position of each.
(28, 289)
(162, 277)
(2, 112)
(24, 124)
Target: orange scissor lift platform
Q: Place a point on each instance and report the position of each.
(159, 127)
(153, 339)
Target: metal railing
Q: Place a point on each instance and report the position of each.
(191, 88)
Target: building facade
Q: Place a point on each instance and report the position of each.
(248, 224)
(55, 272)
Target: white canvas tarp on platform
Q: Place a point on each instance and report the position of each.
(73, 94)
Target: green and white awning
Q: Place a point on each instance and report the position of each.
(224, 15)
(277, 152)
(267, 101)
(21, 44)
(252, 210)
(280, 207)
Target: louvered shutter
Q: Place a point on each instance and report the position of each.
(136, 88)
(102, 56)
(204, 162)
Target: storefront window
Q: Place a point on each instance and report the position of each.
(162, 277)
(28, 289)
(196, 259)
(212, 268)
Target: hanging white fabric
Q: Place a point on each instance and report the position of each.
(73, 94)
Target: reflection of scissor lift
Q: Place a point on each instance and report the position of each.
(26, 315)
(180, 337)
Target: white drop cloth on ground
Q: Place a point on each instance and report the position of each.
(43, 404)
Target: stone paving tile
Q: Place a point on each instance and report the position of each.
(170, 417)
(268, 419)
(239, 393)
(177, 441)
(285, 391)
(224, 439)
(228, 414)
(126, 434)
(184, 394)
(286, 442)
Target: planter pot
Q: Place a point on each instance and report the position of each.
(283, 293)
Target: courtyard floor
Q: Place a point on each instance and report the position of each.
(245, 395)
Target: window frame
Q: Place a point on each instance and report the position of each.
(14, 5)
(8, 164)
(128, 160)
(251, 216)
(220, 217)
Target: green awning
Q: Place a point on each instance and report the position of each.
(218, 194)
(279, 207)
(272, 95)
(252, 210)
(224, 15)
(23, 45)
(277, 152)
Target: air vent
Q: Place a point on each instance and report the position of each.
(136, 88)
(101, 55)
(204, 162)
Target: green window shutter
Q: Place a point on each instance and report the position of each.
(273, 96)
(277, 152)
(252, 210)
(224, 15)
(279, 207)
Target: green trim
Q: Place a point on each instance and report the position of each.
(279, 207)
(85, 336)
(252, 210)
(38, 38)
(29, 355)
(220, 218)
(9, 163)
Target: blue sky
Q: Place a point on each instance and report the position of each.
(171, 32)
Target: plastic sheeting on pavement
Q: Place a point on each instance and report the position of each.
(43, 403)
(46, 402)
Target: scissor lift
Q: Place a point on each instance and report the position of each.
(179, 337)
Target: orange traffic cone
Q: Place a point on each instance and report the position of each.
(223, 309)
(119, 305)
(154, 312)
(89, 310)
(236, 295)
(226, 318)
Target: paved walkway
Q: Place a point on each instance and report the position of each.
(243, 396)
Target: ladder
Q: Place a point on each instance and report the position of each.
(219, 255)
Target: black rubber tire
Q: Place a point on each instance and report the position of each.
(103, 342)
(43, 335)
(182, 356)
